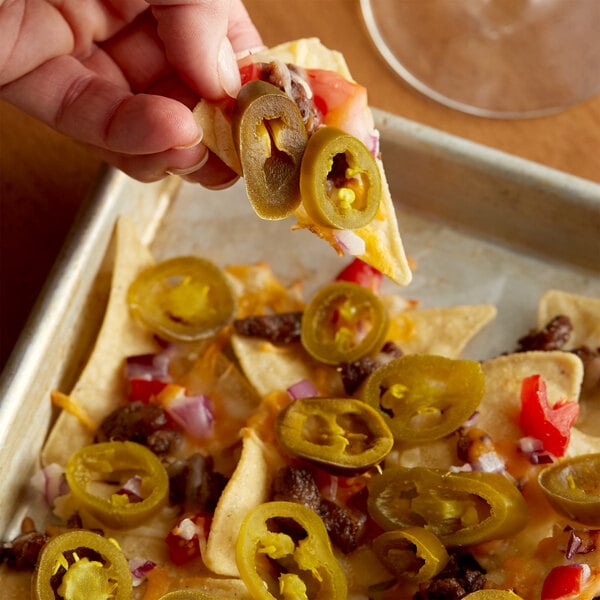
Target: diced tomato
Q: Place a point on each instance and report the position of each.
(250, 72)
(551, 425)
(185, 540)
(332, 92)
(342, 103)
(563, 581)
(363, 274)
(143, 390)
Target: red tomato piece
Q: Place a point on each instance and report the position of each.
(363, 274)
(562, 581)
(185, 540)
(342, 103)
(250, 72)
(551, 425)
(143, 390)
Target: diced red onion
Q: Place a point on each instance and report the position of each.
(529, 444)
(193, 413)
(471, 420)
(302, 389)
(187, 530)
(139, 569)
(51, 482)
(350, 242)
(461, 468)
(372, 143)
(132, 488)
(490, 462)
(541, 457)
(586, 572)
(331, 490)
(533, 448)
(148, 366)
(573, 546)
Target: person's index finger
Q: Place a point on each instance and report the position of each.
(81, 104)
(196, 40)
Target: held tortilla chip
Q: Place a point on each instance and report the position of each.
(383, 245)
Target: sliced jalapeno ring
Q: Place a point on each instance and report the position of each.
(340, 180)
(81, 564)
(270, 138)
(97, 473)
(342, 435)
(414, 553)
(343, 322)
(460, 508)
(424, 397)
(572, 486)
(182, 299)
(277, 565)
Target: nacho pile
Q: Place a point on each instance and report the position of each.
(239, 465)
(232, 438)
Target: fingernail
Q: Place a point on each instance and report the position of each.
(188, 170)
(249, 52)
(221, 186)
(227, 69)
(197, 140)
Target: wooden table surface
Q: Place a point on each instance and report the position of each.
(44, 176)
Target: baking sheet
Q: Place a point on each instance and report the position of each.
(481, 226)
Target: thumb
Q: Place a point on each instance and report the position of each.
(201, 38)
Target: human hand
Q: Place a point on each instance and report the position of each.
(123, 75)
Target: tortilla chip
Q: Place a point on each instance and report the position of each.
(441, 331)
(383, 245)
(583, 311)
(259, 292)
(435, 454)
(16, 585)
(248, 487)
(275, 368)
(499, 410)
(99, 388)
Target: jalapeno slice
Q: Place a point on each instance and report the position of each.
(278, 561)
(182, 299)
(460, 508)
(414, 554)
(340, 434)
(81, 564)
(96, 475)
(424, 397)
(339, 180)
(572, 486)
(343, 322)
(270, 138)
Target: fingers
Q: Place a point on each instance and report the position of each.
(213, 174)
(152, 167)
(78, 102)
(196, 34)
(197, 165)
